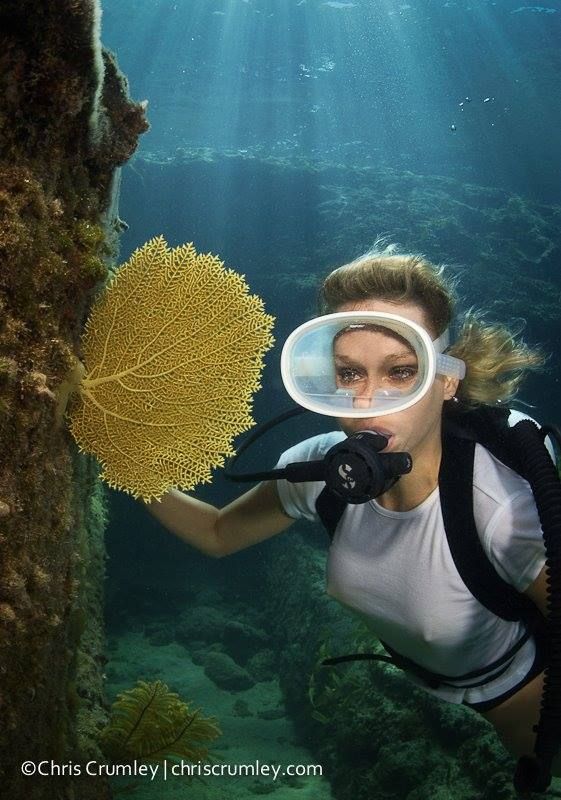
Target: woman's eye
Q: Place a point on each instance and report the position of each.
(403, 373)
(348, 375)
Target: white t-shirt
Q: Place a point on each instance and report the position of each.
(395, 569)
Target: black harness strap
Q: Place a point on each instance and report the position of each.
(434, 679)
(330, 508)
(456, 500)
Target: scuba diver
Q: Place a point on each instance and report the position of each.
(438, 536)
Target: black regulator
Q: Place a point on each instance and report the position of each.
(355, 469)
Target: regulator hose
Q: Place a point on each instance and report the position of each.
(533, 772)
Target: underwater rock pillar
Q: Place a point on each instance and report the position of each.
(66, 124)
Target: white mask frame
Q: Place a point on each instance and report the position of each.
(431, 361)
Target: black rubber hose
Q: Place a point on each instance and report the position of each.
(533, 773)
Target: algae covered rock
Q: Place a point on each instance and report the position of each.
(225, 673)
(242, 641)
(262, 666)
(202, 624)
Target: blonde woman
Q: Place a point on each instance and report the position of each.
(373, 360)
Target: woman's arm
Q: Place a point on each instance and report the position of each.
(253, 517)
(537, 592)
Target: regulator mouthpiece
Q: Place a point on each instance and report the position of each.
(356, 470)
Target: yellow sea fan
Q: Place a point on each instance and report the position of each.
(173, 352)
(150, 723)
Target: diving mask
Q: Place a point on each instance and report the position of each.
(363, 364)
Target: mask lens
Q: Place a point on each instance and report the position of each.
(356, 367)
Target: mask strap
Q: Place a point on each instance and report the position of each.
(447, 365)
(442, 342)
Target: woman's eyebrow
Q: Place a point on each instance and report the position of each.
(345, 359)
(389, 357)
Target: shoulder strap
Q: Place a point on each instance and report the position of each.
(477, 572)
(487, 425)
(330, 508)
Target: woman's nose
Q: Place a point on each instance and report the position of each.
(366, 396)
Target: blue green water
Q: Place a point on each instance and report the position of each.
(464, 89)
(285, 136)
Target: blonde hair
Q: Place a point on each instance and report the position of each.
(496, 358)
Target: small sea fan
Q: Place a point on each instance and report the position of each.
(173, 352)
(150, 723)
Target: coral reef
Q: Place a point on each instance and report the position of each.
(66, 124)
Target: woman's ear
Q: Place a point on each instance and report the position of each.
(450, 387)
